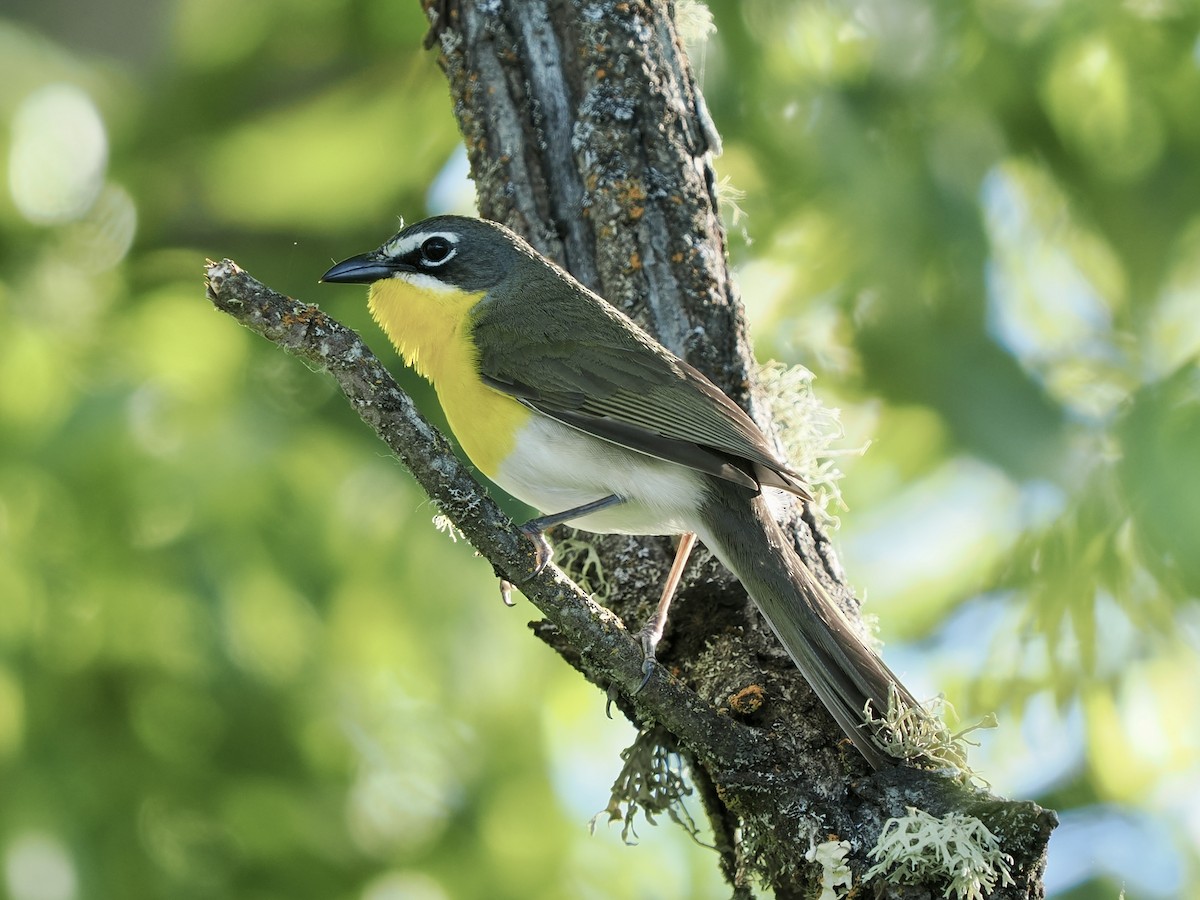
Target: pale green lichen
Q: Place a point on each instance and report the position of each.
(918, 734)
(582, 564)
(730, 198)
(652, 782)
(694, 21)
(956, 849)
(836, 877)
(443, 524)
(808, 429)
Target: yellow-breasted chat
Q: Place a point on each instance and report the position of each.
(570, 406)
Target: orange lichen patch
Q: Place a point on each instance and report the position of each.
(631, 194)
(677, 258)
(304, 317)
(631, 190)
(748, 700)
(635, 261)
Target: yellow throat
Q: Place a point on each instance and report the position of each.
(431, 328)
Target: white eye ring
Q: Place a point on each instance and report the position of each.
(437, 250)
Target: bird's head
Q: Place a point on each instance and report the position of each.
(452, 253)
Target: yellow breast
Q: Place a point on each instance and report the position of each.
(430, 326)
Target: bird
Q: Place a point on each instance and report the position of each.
(567, 404)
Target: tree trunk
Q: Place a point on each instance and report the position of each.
(587, 134)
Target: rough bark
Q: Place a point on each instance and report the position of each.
(586, 133)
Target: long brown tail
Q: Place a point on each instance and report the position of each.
(844, 672)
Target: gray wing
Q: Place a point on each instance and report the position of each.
(621, 385)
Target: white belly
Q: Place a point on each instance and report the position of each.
(554, 467)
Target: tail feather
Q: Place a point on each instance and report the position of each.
(843, 671)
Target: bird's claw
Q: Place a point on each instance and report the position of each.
(506, 589)
(612, 698)
(647, 671)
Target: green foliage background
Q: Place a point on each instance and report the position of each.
(236, 659)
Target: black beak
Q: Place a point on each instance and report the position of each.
(365, 268)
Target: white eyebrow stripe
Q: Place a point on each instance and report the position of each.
(400, 246)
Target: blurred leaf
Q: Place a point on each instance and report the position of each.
(236, 659)
(1160, 437)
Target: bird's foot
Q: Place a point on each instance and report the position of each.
(649, 637)
(543, 552)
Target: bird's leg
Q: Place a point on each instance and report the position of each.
(652, 631)
(534, 528)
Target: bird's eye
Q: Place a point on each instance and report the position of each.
(436, 250)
